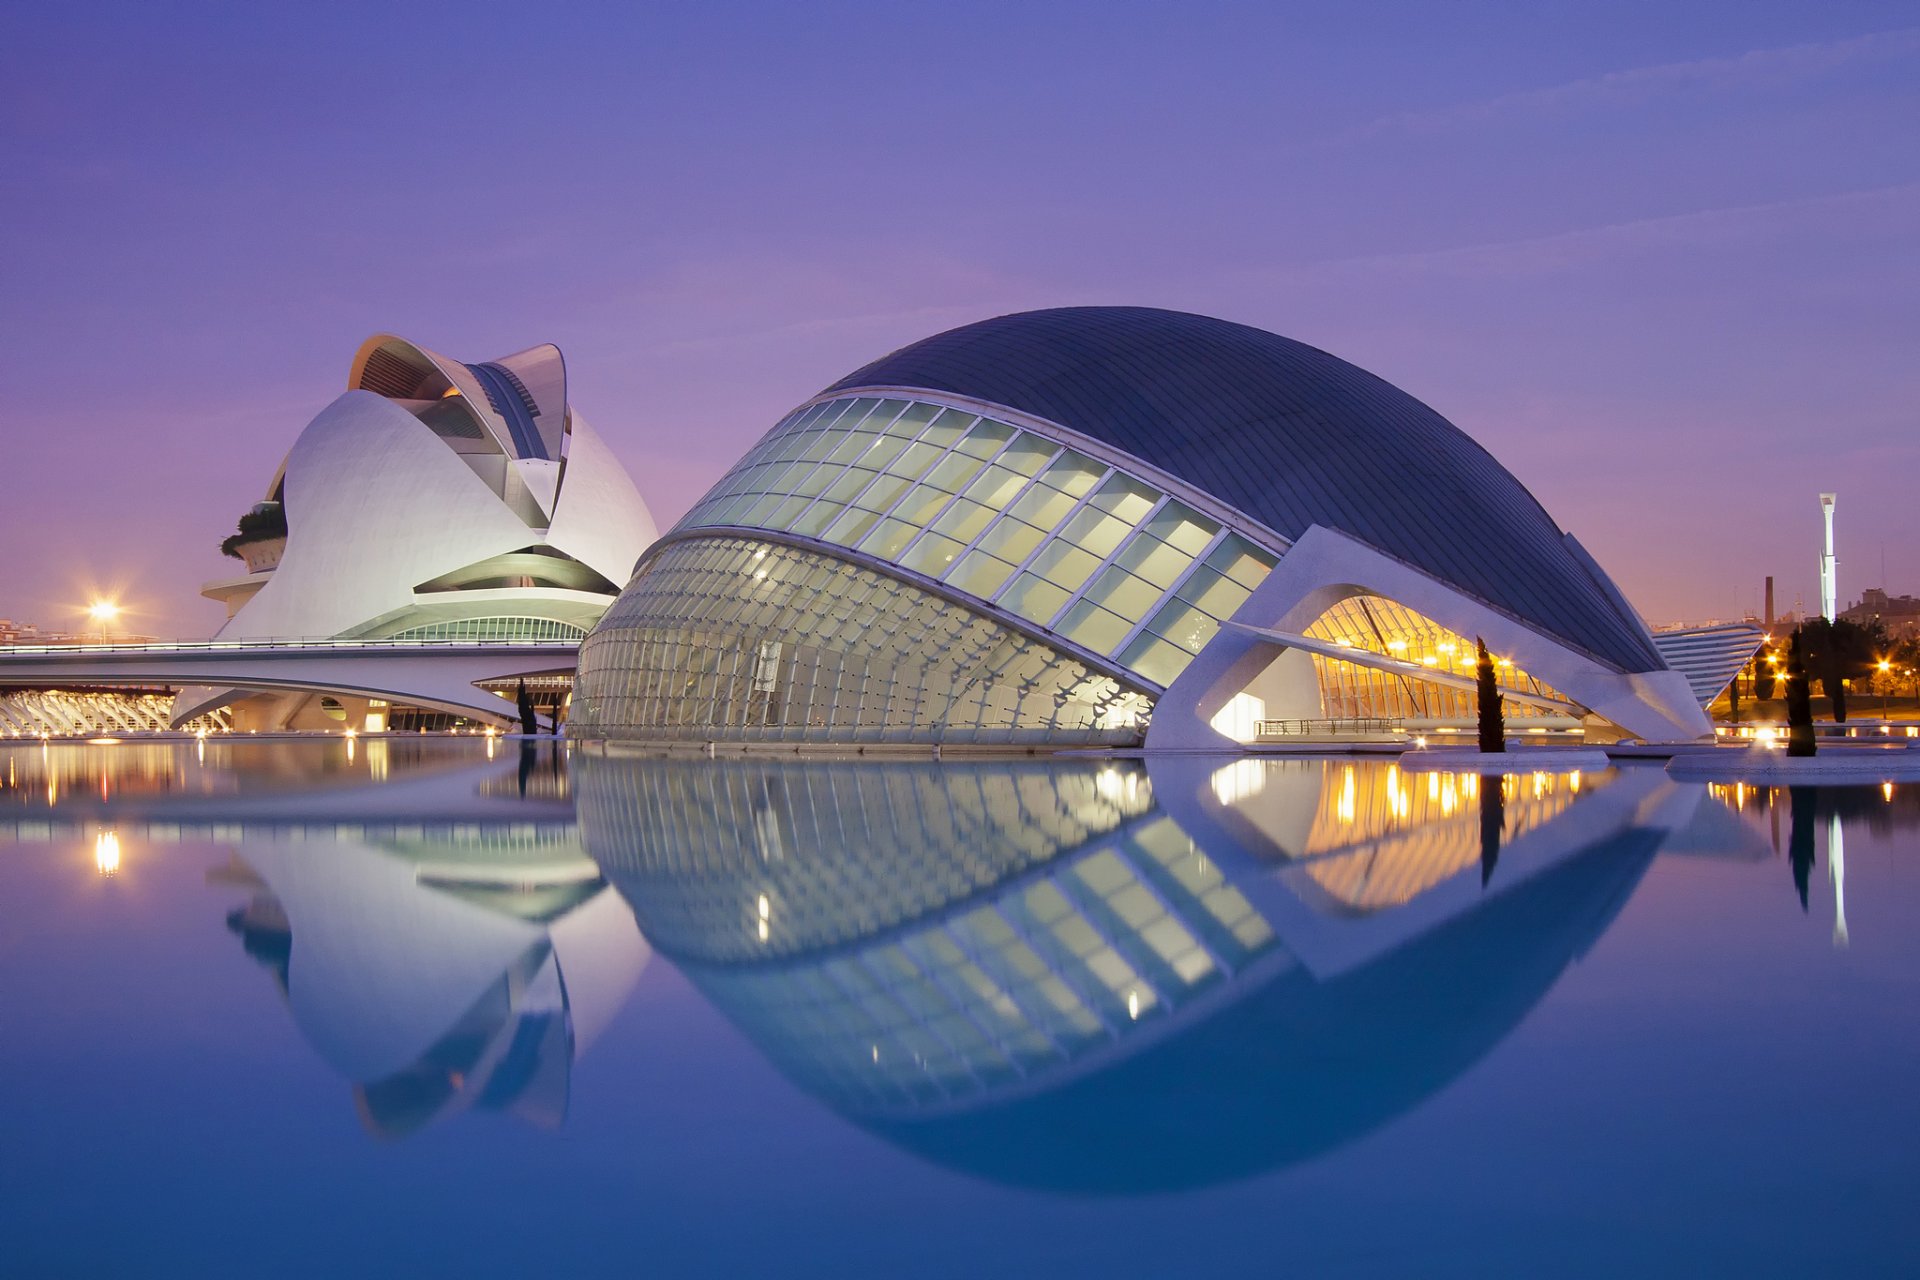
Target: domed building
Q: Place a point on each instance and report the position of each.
(1118, 526)
(434, 500)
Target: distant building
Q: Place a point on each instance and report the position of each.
(1900, 615)
(12, 632)
(1115, 526)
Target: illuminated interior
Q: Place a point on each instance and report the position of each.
(1377, 625)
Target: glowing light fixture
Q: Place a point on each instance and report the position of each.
(106, 853)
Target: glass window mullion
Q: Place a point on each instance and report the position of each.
(1053, 535)
(814, 501)
(880, 473)
(1001, 514)
(949, 451)
(1104, 565)
(1199, 562)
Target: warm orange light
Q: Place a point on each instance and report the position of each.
(103, 611)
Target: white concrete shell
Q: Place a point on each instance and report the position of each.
(417, 476)
(1258, 648)
(466, 500)
(377, 505)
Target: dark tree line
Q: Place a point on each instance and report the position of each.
(1839, 651)
(1832, 653)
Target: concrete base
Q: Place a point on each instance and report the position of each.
(1534, 760)
(1834, 766)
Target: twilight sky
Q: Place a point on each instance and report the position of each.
(1662, 259)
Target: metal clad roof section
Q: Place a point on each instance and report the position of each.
(1709, 657)
(1288, 434)
(509, 399)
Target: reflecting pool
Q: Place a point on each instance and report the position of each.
(422, 1007)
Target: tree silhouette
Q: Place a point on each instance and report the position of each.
(1839, 651)
(1493, 822)
(529, 723)
(265, 521)
(1493, 731)
(1800, 838)
(1799, 703)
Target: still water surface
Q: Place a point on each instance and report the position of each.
(428, 1008)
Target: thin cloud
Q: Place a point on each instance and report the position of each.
(1754, 68)
(1581, 245)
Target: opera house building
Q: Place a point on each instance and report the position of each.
(435, 500)
(1113, 526)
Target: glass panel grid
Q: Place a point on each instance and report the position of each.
(730, 638)
(1005, 514)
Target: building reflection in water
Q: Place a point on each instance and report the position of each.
(440, 975)
(1882, 810)
(465, 967)
(1088, 974)
(440, 938)
(1115, 975)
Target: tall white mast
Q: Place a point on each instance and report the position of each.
(1829, 585)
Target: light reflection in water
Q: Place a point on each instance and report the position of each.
(972, 959)
(106, 853)
(987, 963)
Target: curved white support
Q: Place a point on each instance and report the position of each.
(1325, 567)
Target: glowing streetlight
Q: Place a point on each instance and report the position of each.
(103, 612)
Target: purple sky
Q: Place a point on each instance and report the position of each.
(1662, 259)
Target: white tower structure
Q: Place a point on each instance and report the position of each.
(1829, 586)
(1837, 872)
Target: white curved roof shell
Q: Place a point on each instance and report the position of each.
(388, 491)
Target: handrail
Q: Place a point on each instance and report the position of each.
(1308, 728)
(277, 642)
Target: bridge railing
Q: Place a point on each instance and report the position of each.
(277, 642)
(1355, 727)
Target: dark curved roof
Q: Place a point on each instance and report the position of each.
(1290, 435)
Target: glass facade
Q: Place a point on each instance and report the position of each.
(1381, 626)
(1008, 515)
(738, 639)
(492, 629)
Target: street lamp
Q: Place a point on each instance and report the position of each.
(1885, 667)
(103, 612)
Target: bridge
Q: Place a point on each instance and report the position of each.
(442, 675)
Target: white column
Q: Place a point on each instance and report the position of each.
(1829, 584)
